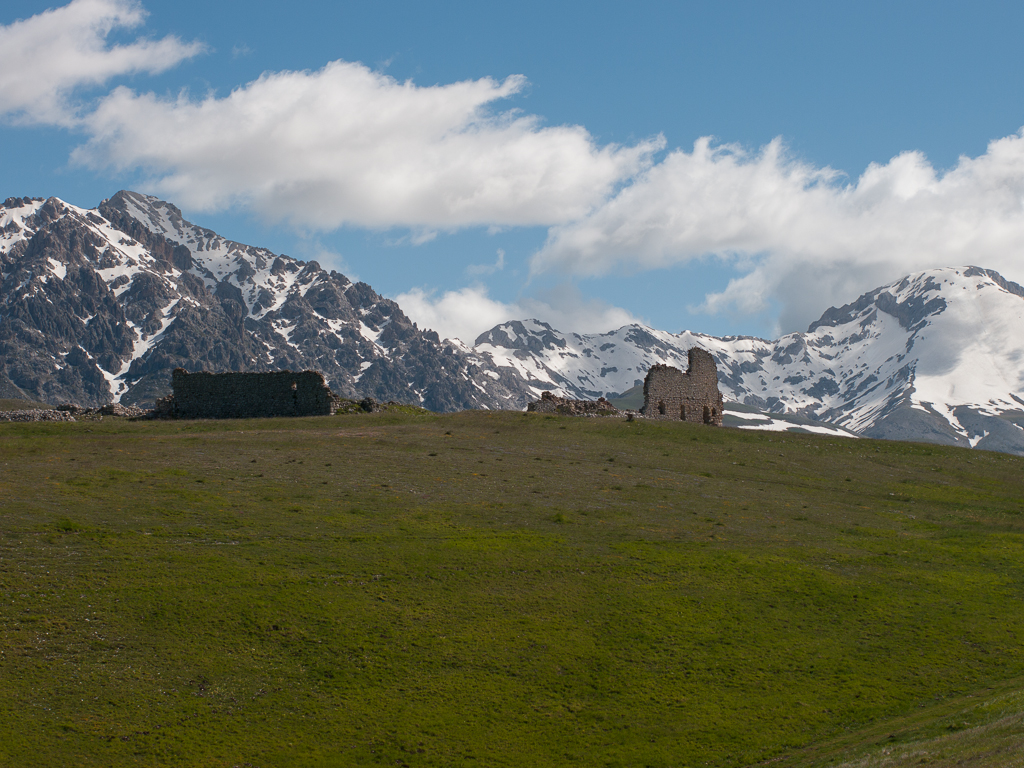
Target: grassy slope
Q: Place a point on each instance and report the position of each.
(983, 729)
(631, 400)
(21, 405)
(501, 589)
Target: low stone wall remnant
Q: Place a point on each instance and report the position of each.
(36, 414)
(110, 409)
(550, 403)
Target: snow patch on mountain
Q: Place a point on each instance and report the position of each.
(946, 344)
(102, 304)
(113, 299)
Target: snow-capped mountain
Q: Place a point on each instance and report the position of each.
(101, 305)
(937, 356)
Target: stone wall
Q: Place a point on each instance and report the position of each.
(692, 396)
(550, 403)
(36, 414)
(205, 395)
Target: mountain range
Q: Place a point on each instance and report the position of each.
(937, 356)
(101, 305)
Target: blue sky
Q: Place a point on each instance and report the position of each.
(550, 150)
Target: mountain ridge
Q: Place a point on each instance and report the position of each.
(937, 356)
(99, 305)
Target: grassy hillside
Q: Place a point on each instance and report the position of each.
(504, 589)
(630, 400)
(8, 404)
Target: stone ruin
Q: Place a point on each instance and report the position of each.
(204, 395)
(232, 395)
(550, 403)
(36, 414)
(669, 394)
(74, 412)
(692, 396)
(110, 409)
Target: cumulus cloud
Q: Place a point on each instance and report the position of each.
(43, 59)
(466, 313)
(347, 145)
(802, 236)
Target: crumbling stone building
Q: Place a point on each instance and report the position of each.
(204, 395)
(692, 396)
(551, 403)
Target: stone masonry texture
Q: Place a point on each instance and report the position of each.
(692, 396)
(204, 395)
(551, 403)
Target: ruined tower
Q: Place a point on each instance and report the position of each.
(692, 396)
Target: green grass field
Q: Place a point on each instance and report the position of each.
(7, 404)
(503, 589)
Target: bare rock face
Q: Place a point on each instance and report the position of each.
(100, 306)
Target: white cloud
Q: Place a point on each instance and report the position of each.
(462, 314)
(347, 145)
(468, 312)
(802, 237)
(565, 308)
(488, 269)
(43, 59)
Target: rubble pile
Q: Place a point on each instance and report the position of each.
(550, 403)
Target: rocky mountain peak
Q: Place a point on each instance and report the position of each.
(101, 305)
(937, 355)
(106, 303)
(530, 335)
